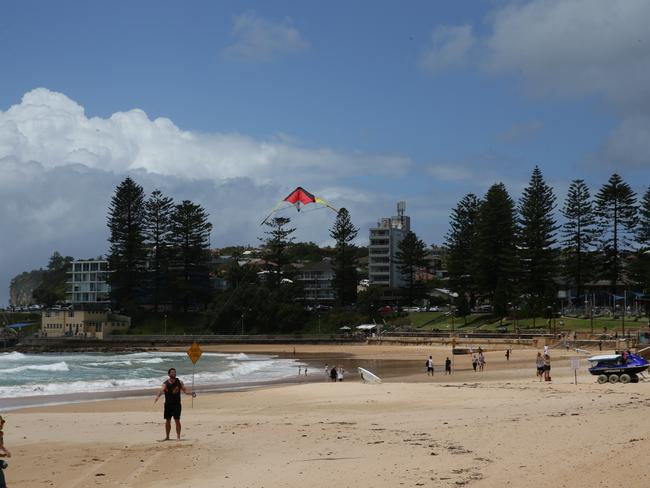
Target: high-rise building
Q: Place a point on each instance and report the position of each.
(88, 282)
(382, 251)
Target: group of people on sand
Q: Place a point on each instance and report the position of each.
(543, 365)
(335, 373)
(478, 361)
(431, 369)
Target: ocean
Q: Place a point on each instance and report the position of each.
(29, 375)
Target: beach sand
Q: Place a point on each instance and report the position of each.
(501, 427)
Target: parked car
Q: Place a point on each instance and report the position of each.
(385, 310)
(434, 309)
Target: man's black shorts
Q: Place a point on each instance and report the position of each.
(172, 411)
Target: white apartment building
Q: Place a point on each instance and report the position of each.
(382, 250)
(317, 281)
(88, 281)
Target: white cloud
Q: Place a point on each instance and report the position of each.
(574, 47)
(261, 40)
(449, 48)
(50, 128)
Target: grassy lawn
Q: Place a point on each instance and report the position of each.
(426, 321)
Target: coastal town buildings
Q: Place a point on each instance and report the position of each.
(82, 323)
(317, 281)
(88, 282)
(382, 250)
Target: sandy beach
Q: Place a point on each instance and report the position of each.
(501, 427)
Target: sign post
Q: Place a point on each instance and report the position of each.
(194, 353)
(575, 366)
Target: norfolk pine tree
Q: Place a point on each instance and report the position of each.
(345, 271)
(496, 248)
(411, 257)
(157, 229)
(640, 267)
(578, 234)
(537, 229)
(127, 250)
(461, 259)
(617, 218)
(190, 241)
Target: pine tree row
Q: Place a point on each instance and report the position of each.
(518, 255)
(158, 250)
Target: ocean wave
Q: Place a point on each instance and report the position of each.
(11, 356)
(60, 366)
(111, 363)
(150, 361)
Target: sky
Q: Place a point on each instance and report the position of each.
(232, 104)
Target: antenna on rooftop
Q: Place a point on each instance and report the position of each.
(401, 208)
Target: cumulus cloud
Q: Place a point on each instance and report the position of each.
(566, 49)
(52, 129)
(261, 40)
(574, 47)
(59, 168)
(449, 48)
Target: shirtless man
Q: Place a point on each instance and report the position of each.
(172, 389)
(4, 453)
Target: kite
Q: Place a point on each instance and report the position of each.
(297, 198)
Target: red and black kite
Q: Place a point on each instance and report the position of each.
(297, 198)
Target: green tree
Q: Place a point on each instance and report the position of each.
(345, 271)
(640, 266)
(578, 234)
(411, 258)
(190, 242)
(276, 243)
(616, 211)
(127, 250)
(538, 255)
(461, 256)
(53, 286)
(496, 253)
(157, 230)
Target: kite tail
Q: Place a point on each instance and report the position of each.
(272, 212)
(323, 202)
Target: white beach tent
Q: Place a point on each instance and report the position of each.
(366, 326)
(345, 327)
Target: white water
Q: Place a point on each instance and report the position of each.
(23, 375)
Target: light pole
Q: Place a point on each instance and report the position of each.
(548, 313)
(165, 317)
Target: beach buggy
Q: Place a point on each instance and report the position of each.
(613, 368)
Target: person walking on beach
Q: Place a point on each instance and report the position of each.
(172, 389)
(539, 363)
(4, 453)
(507, 354)
(481, 361)
(547, 367)
(333, 373)
(447, 366)
(339, 373)
(474, 362)
(327, 371)
(430, 366)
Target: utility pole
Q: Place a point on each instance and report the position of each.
(165, 317)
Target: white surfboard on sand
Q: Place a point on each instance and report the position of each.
(368, 376)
